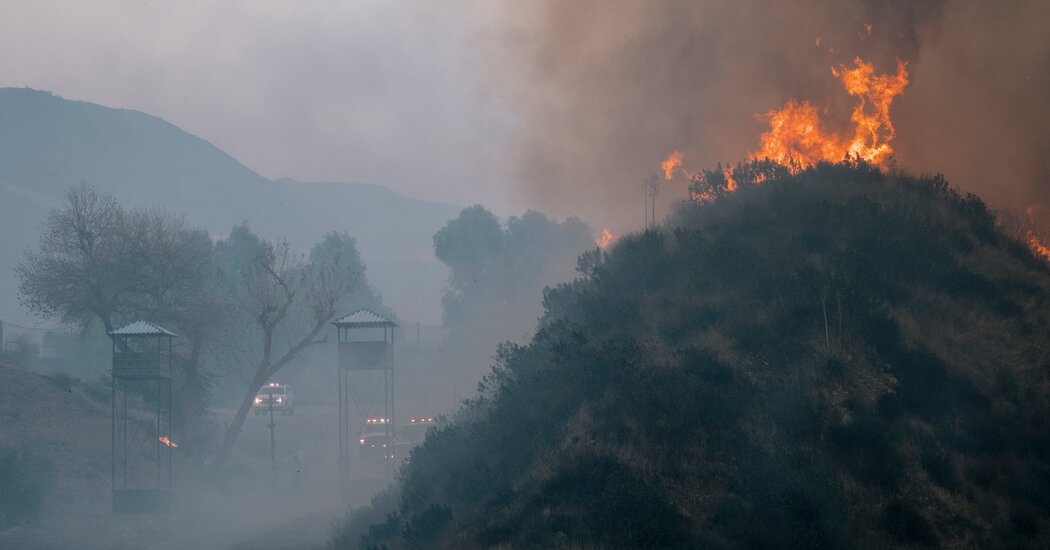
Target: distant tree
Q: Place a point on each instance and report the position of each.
(497, 275)
(289, 302)
(468, 244)
(339, 247)
(78, 273)
(99, 261)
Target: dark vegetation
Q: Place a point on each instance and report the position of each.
(838, 358)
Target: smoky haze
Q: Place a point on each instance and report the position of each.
(608, 89)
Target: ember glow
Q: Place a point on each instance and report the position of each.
(164, 439)
(1038, 247)
(796, 139)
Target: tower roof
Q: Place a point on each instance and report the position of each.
(364, 318)
(142, 328)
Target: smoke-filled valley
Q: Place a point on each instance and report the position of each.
(537, 275)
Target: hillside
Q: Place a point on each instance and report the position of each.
(841, 358)
(57, 422)
(49, 144)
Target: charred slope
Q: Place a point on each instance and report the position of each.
(841, 358)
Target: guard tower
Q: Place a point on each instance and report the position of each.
(366, 343)
(142, 410)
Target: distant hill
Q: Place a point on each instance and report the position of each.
(837, 359)
(49, 144)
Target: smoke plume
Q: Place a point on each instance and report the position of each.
(607, 89)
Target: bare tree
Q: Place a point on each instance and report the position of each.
(279, 290)
(98, 261)
(77, 273)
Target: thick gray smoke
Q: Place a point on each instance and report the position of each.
(608, 89)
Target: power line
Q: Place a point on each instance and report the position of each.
(5, 323)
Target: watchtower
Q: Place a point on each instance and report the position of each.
(142, 444)
(366, 343)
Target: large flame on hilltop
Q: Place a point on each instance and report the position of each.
(796, 139)
(607, 238)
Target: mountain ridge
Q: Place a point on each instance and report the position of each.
(49, 144)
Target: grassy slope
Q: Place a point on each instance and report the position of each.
(63, 424)
(842, 358)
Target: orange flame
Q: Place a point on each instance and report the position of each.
(795, 139)
(607, 238)
(671, 163)
(164, 439)
(795, 136)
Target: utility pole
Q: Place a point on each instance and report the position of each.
(273, 441)
(650, 189)
(645, 206)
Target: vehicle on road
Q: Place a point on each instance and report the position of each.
(280, 395)
(376, 438)
(412, 434)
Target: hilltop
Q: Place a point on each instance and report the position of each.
(49, 144)
(839, 358)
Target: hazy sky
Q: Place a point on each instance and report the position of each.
(556, 105)
(370, 91)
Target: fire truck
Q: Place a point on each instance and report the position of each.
(279, 394)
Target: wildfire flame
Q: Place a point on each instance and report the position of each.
(796, 139)
(1037, 246)
(164, 439)
(1035, 212)
(671, 163)
(795, 136)
(607, 238)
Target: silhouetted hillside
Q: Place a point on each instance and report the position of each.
(49, 144)
(837, 359)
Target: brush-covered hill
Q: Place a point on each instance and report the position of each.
(49, 144)
(837, 359)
